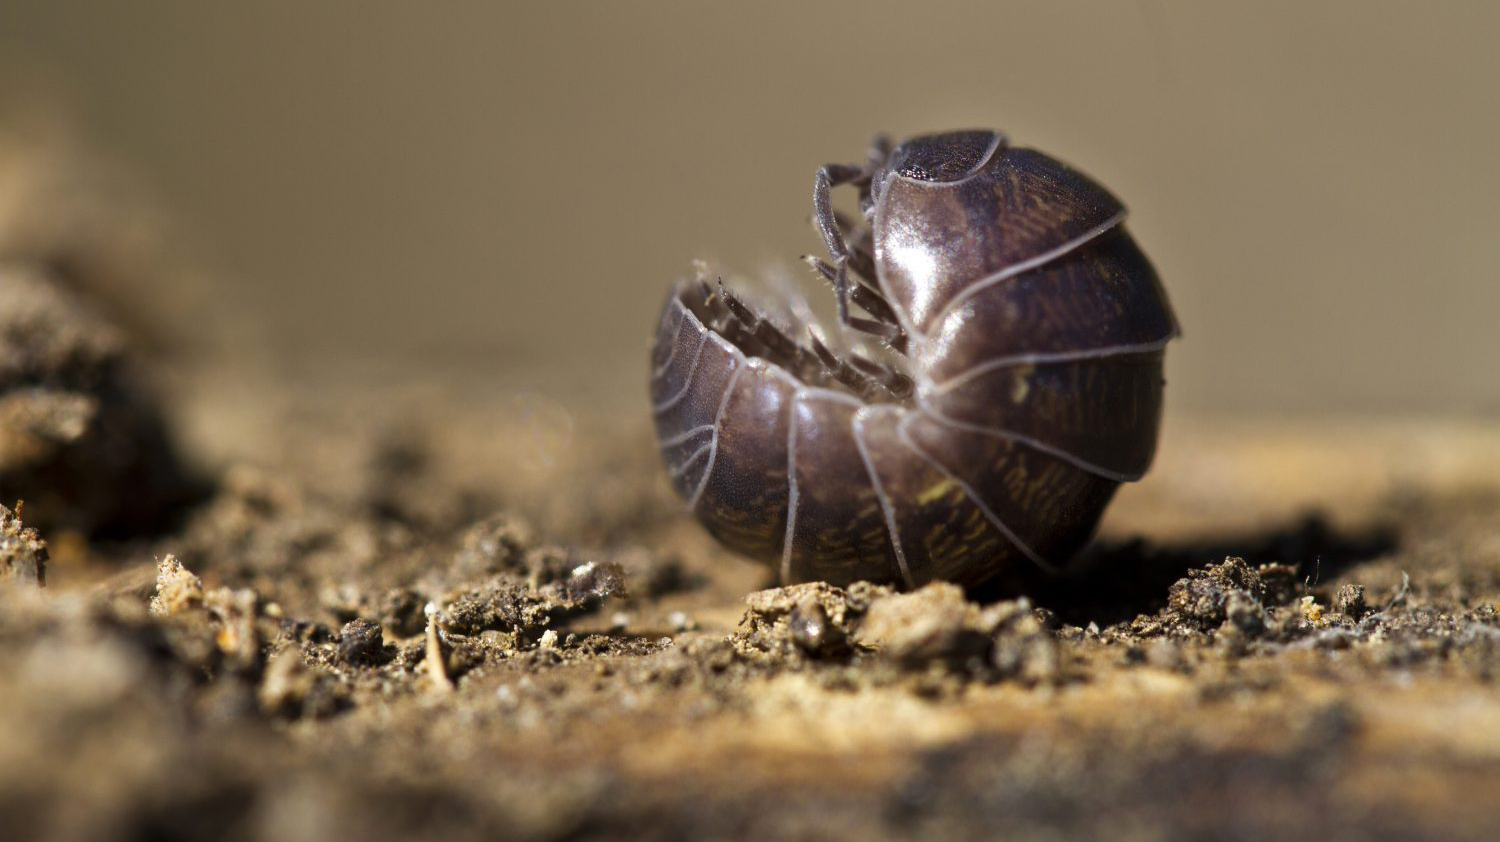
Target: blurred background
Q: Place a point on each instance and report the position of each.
(506, 190)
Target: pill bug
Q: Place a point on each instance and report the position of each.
(1015, 382)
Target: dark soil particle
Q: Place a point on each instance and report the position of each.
(361, 642)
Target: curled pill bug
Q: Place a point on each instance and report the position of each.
(994, 375)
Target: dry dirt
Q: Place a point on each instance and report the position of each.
(346, 606)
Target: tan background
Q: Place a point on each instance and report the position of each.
(510, 187)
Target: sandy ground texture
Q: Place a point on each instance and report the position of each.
(358, 607)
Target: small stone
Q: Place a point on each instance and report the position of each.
(594, 581)
(681, 622)
(814, 633)
(361, 642)
(549, 639)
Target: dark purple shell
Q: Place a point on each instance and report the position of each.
(1034, 331)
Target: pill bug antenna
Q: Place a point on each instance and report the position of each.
(828, 177)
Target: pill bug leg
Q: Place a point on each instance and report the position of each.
(834, 229)
(829, 176)
(884, 326)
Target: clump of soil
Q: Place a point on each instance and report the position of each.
(23, 554)
(934, 629)
(936, 624)
(80, 440)
(813, 620)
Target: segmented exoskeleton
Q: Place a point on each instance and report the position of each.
(1024, 332)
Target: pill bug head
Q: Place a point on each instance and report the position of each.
(937, 158)
(994, 375)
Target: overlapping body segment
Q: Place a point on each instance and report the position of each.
(1020, 379)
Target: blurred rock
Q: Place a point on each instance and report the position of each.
(495, 544)
(80, 440)
(361, 642)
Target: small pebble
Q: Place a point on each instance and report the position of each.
(361, 642)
